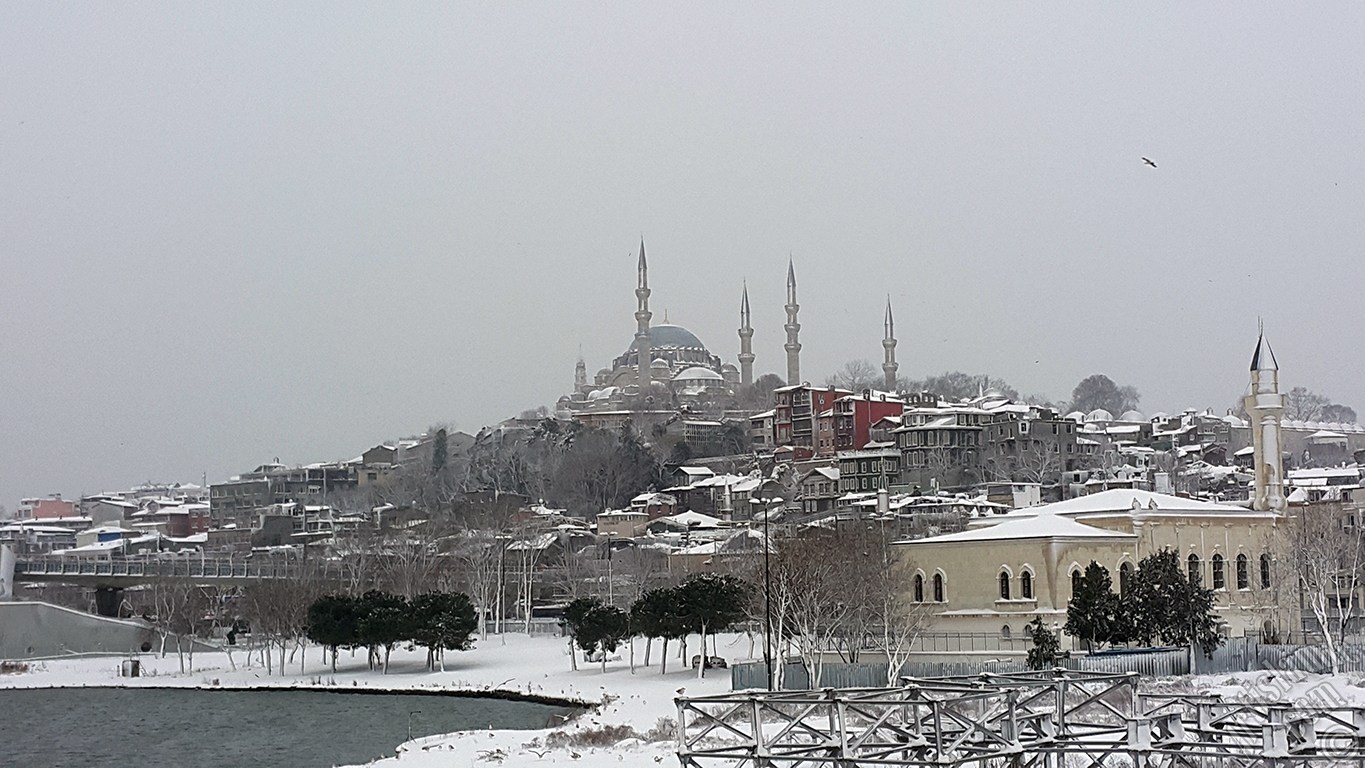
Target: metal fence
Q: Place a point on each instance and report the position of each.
(1238, 654)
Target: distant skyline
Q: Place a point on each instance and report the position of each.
(235, 233)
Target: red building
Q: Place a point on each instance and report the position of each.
(854, 416)
(46, 509)
(796, 412)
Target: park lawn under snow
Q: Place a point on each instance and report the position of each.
(515, 663)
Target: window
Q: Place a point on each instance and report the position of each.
(1075, 581)
(938, 588)
(919, 588)
(1005, 632)
(1194, 569)
(1026, 585)
(1265, 571)
(1243, 580)
(1125, 577)
(1004, 585)
(1219, 578)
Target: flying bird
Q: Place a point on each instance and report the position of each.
(1149, 162)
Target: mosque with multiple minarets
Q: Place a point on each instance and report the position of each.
(667, 366)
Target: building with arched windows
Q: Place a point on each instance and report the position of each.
(1008, 569)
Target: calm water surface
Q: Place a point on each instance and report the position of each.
(155, 728)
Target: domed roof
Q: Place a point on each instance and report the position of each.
(661, 336)
(1099, 414)
(659, 362)
(697, 372)
(1132, 416)
(1075, 416)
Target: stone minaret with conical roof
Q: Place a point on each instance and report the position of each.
(746, 341)
(889, 364)
(1265, 405)
(642, 316)
(793, 328)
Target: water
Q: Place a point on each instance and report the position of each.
(156, 727)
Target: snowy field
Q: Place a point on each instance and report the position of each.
(629, 725)
(527, 665)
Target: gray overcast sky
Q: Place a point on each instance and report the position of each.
(236, 231)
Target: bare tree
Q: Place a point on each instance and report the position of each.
(179, 604)
(855, 376)
(1329, 552)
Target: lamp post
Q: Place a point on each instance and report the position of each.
(767, 590)
(412, 712)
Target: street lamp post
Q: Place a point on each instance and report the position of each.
(412, 712)
(767, 591)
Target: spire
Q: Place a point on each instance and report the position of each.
(746, 337)
(889, 364)
(643, 268)
(792, 327)
(642, 317)
(1263, 359)
(580, 372)
(1265, 406)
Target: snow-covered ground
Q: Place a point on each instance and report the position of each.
(527, 665)
(641, 701)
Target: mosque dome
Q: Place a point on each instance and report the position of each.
(1132, 417)
(697, 373)
(664, 336)
(1099, 414)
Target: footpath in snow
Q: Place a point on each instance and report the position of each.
(630, 723)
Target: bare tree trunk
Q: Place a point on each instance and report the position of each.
(663, 658)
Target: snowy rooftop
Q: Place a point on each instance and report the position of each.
(1128, 500)
(1043, 525)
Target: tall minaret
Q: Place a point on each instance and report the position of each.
(580, 373)
(793, 328)
(1266, 407)
(746, 341)
(889, 364)
(642, 352)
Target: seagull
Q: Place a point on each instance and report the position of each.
(1149, 162)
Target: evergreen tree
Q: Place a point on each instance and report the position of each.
(440, 621)
(383, 623)
(1168, 608)
(656, 614)
(1045, 650)
(334, 622)
(439, 447)
(710, 603)
(1095, 614)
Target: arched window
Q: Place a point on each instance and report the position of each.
(1219, 577)
(1026, 585)
(1194, 569)
(919, 588)
(1005, 632)
(1243, 576)
(1265, 571)
(938, 588)
(1075, 581)
(1004, 585)
(1125, 577)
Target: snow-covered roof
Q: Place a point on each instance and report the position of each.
(697, 373)
(690, 518)
(1326, 434)
(1099, 414)
(1128, 499)
(1044, 525)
